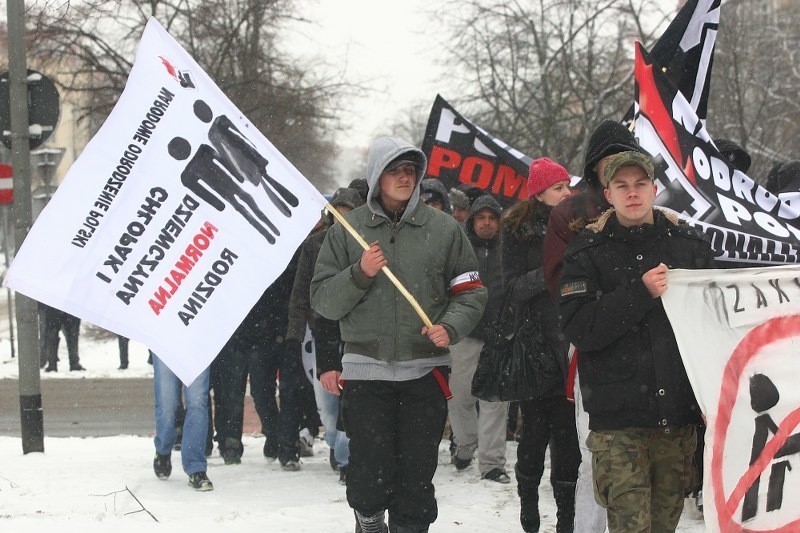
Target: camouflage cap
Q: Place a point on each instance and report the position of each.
(624, 159)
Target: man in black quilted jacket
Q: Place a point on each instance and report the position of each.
(642, 411)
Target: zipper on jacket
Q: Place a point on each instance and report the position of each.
(395, 228)
(394, 225)
(395, 341)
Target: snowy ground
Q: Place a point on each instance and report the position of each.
(93, 485)
(83, 482)
(107, 484)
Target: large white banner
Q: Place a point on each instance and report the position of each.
(739, 334)
(175, 218)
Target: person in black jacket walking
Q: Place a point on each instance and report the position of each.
(549, 418)
(327, 340)
(642, 412)
(607, 139)
(51, 321)
(257, 349)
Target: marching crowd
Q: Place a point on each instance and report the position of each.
(583, 267)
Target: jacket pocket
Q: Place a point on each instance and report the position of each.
(430, 290)
(437, 285)
(364, 321)
(600, 444)
(690, 469)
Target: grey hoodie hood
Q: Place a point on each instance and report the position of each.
(382, 152)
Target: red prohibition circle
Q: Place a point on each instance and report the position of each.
(772, 331)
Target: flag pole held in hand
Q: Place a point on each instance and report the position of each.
(385, 269)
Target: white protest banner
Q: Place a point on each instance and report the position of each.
(175, 218)
(739, 335)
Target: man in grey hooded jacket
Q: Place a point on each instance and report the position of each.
(394, 367)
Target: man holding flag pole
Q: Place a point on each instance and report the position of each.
(395, 360)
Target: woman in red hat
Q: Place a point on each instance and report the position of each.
(548, 417)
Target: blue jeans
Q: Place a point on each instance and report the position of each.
(328, 406)
(195, 426)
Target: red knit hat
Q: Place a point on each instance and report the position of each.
(543, 174)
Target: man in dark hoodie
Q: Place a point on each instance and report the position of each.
(434, 194)
(607, 139)
(326, 335)
(487, 432)
(735, 154)
(394, 366)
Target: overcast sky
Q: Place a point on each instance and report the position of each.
(386, 45)
(381, 44)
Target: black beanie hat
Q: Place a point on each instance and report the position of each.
(360, 184)
(610, 137)
(347, 197)
(773, 185)
(471, 191)
(784, 178)
(734, 153)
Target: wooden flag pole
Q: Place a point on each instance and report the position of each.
(332, 210)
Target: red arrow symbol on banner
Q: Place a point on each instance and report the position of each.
(652, 106)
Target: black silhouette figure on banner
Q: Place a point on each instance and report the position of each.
(209, 176)
(241, 155)
(764, 396)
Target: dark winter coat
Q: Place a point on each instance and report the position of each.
(523, 281)
(267, 320)
(575, 211)
(490, 263)
(300, 312)
(630, 367)
(326, 332)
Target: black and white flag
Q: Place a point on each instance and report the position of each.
(685, 52)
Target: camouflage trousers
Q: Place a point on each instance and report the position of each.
(641, 476)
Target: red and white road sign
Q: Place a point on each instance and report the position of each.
(6, 184)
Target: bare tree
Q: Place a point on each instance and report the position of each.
(237, 42)
(541, 74)
(754, 82)
(410, 122)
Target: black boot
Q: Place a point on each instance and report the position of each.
(370, 524)
(528, 490)
(564, 494)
